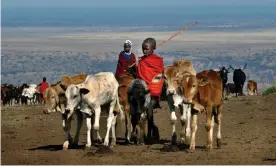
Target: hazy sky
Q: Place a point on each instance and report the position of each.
(124, 3)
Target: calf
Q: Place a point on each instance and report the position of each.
(205, 89)
(139, 98)
(124, 83)
(54, 101)
(96, 91)
(252, 87)
(173, 76)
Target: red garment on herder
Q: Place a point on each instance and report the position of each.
(123, 64)
(42, 88)
(148, 68)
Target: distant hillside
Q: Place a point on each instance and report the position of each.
(30, 67)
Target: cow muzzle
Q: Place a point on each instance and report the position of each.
(171, 92)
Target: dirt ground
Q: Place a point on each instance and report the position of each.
(248, 134)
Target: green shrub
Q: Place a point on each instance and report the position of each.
(270, 90)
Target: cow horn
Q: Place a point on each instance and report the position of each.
(244, 66)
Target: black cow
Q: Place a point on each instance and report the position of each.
(7, 94)
(141, 110)
(239, 78)
(224, 77)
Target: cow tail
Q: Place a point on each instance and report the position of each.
(122, 114)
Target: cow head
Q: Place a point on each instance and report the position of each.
(139, 96)
(172, 79)
(190, 86)
(52, 100)
(73, 95)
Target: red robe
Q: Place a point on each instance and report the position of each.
(42, 88)
(148, 68)
(123, 64)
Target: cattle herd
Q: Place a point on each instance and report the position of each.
(20, 95)
(128, 98)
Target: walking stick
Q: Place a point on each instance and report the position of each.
(177, 33)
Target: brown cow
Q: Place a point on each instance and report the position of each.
(55, 100)
(173, 76)
(124, 83)
(206, 89)
(252, 87)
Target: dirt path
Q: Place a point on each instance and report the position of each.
(248, 133)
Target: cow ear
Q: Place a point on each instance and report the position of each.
(84, 91)
(203, 81)
(147, 91)
(64, 87)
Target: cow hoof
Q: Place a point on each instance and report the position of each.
(113, 143)
(219, 143)
(209, 148)
(127, 141)
(191, 150)
(87, 145)
(140, 143)
(65, 145)
(182, 140)
(106, 142)
(99, 141)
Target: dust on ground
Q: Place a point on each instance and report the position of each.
(248, 135)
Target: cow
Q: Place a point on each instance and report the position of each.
(8, 94)
(54, 101)
(229, 88)
(239, 78)
(96, 91)
(173, 76)
(140, 98)
(224, 76)
(29, 93)
(124, 83)
(204, 89)
(252, 87)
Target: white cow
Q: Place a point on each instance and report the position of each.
(95, 91)
(29, 93)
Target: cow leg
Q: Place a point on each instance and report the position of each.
(66, 124)
(218, 121)
(173, 119)
(79, 124)
(127, 123)
(97, 122)
(185, 121)
(209, 127)
(194, 129)
(142, 128)
(152, 128)
(88, 134)
(113, 129)
(109, 122)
